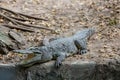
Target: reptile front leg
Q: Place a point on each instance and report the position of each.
(81, 45)
(60, 58)
(46, 41)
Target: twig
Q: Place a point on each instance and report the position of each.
(19, 18)
(4, 16)
(16, 27)
(32, 17)
(22, 14)
(30, 25)
(8, 10)
(18, 21)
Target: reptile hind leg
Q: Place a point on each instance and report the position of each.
(46, 41)
(81, 45)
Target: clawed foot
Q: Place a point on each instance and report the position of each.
(83, 52)
(58, 64)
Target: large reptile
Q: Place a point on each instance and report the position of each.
(58, 49)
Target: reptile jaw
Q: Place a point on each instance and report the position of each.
(23, 51)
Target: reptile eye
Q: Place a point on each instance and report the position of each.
(37, 52)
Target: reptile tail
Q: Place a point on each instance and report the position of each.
(86, 33)
(90, 32)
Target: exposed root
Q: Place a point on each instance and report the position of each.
(21, 14)
(18, 22)
(19, 28)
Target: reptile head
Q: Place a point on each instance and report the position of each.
(27, 51)
(36, 50)
(31, 58)
(23, 51)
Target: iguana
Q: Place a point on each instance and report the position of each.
(58, 49)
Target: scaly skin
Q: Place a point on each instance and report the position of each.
(58, 49)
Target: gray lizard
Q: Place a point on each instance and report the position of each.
(58, 49)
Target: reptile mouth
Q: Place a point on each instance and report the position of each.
(30, 56)
(23, 51)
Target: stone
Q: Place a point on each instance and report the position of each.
(10, 40)
(69, 70)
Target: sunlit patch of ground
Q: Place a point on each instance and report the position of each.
(69, 16)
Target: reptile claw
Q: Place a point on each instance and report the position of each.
(58, 64)
(83, 51)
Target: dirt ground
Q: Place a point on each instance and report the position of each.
(68, 16)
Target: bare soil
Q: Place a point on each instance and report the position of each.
(68, 16)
